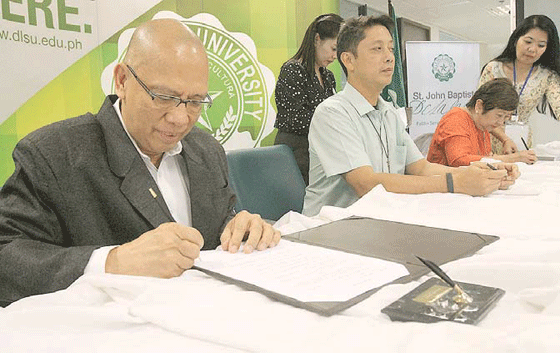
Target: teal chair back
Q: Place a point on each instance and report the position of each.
(266, 180)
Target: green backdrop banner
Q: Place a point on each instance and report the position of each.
(246, 41)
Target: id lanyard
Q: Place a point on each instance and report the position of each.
(515, 117)
(384, 150)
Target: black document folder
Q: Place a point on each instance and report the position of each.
(386, 240)
(395, 241)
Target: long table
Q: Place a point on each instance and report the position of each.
(197, 313)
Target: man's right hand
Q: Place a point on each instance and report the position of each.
(477, 180)
(165, 252)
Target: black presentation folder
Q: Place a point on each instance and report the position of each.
(386, 240)
(395, 241)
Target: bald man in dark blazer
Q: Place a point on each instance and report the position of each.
(81, 185)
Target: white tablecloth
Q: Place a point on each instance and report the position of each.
(196, 313)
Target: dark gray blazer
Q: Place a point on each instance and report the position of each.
(80, 184)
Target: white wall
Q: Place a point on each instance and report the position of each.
(550, 8)
(349, 8)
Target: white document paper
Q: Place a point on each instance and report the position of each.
(304, 272)
(520, 188)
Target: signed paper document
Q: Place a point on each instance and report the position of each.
(304, 272)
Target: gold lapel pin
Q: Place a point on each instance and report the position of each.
(153, 193)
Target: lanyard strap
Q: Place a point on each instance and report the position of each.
(483, 153)
(526, 79)
(384, 150)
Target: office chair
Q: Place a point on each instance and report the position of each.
(266, 180)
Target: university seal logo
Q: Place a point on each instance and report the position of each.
(443, 67)
(241, 87)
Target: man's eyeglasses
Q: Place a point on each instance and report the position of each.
(165, 101)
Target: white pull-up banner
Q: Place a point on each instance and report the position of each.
(440, 76)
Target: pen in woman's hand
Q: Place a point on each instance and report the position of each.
(524, 143)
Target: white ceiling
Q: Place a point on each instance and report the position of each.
(484, 21)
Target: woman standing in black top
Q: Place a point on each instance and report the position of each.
(303, 83)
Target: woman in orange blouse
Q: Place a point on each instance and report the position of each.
(462, 135)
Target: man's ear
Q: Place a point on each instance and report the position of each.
(347, 59)
(120, 76)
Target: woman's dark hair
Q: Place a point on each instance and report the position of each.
(498, 93)
(327, 27)
(551, 57)
(353, 32)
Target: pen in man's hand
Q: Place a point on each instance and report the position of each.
(493, 167)
(524, 143)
